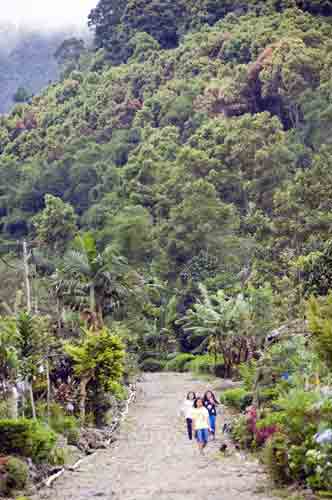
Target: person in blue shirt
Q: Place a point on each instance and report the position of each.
(211, 403)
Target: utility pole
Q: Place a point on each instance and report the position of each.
(26, 258)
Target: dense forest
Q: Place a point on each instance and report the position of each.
(167, 205)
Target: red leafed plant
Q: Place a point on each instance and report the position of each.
(260, 434)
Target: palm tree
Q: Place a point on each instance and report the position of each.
(98, 277)
(225, 323)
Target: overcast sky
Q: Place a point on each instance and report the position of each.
(46, 13)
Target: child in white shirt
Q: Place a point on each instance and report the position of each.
(186, 412)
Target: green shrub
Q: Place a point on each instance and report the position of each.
(43, 440)
(152, 365)
(206, 364)
(26, 438)
(17, 474)
(248, 373)
(275, 457)
(241, 433)
(298, 407)
(267, 394)
(172, 355)
(179, 363)
(68, 426)
(319, 468)
(73, 436)
(4, 410)
(297, 460)
(59, 456)
(60, 422)
(64, 425)
(238, 398)
(276, 418)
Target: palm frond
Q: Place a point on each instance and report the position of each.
(76, 262)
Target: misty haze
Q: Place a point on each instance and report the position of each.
(45, 14)
(30, 33)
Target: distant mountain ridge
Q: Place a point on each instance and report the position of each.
(27, 60)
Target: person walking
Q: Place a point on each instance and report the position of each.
(211, 403)
(186, 411)
(201, 424)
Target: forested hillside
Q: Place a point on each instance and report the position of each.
(174, 189)
(210, 144)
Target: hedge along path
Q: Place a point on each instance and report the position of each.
(153, 459)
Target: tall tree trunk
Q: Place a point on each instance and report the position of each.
(227, 355)
(100, 318)
(92, 298)
(83, 395)
(32, 401)
(228, 369)
(93, 308)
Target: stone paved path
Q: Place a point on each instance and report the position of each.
(153, 460)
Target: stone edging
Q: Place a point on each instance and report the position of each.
(50, 480)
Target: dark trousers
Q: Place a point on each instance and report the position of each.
(189, 428)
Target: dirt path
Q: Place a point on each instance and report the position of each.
(153, 460)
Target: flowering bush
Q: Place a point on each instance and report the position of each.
(291, 420)
(248, 431)
(260, 432)
(307, 454)
(264, 433)
(318, 465)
